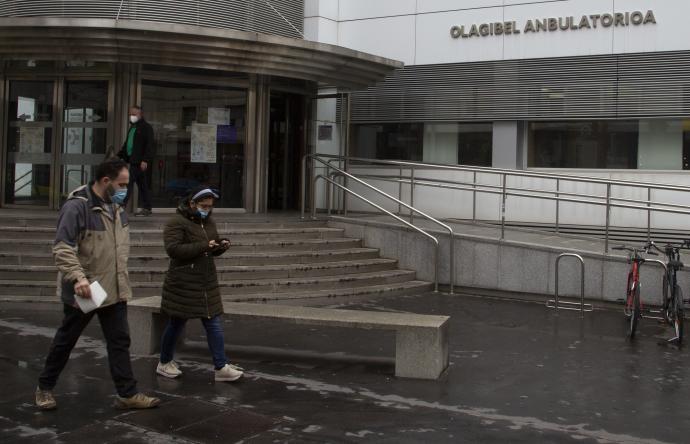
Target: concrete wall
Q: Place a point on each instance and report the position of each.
(505, 265)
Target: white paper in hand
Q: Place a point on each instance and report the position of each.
(98, 295)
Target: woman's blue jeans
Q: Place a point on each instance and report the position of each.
(214, 337)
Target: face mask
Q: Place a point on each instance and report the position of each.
(118, 196)
(203, 214)
(133, 119)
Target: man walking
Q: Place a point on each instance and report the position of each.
(138, 151)
(92, 244)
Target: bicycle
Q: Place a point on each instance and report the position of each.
(633, 303)
(672, 307)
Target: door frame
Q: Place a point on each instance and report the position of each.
(56, 183)
(59, 77)
(8, 78)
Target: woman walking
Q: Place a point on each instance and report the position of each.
(191, 288)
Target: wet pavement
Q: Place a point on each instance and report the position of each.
(519, 373)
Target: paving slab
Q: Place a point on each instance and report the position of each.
(519, 373)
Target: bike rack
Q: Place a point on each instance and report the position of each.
(660, 318)
(565, 305)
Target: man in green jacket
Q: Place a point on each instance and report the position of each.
(138, 150)
(92, 244)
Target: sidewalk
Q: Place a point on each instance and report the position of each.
(519, 373)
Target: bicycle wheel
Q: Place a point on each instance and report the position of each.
(627, 308)
(679, 318)
(636, 312)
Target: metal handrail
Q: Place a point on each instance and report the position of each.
(471, 186)
(499, 190)
(519, 173)
(315, 157)
(608, 201)
(380, 208)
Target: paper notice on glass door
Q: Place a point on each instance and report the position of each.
(31, 140)
(219, 116)
(204, 143)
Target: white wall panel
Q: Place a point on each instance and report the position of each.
(558, 43)
(424, 6)
(429, 37)
(362, 9)
(671, 32)
(319, 29)
(435, 45)
(390, 37)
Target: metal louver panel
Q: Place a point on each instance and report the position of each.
(611, 86)
(242, 15)
(155, 43)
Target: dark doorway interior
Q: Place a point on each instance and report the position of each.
(287, 145)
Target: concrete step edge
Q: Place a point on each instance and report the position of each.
(227, 268)
(246, 282)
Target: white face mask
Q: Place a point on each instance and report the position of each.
(133, 119)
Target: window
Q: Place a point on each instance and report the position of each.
(397, 141)
(444, 143)
(584, 144)
(475, 144)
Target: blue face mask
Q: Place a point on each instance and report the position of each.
(119, 196)
(203, 214)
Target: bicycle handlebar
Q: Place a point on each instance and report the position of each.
(633, 250)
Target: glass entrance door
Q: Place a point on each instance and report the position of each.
(84, 132)
(42, 114)
(199, 133)
(287, 145)
(30, 128)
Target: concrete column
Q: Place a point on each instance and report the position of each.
(506, 150)
(263, 94)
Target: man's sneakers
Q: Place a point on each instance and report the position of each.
(138, 401)
(228, 373)
(45, 399)
(169, 369)
(142, 212)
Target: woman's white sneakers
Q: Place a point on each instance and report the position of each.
(228, 373)
(169, 369)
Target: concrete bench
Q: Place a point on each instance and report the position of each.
(421, 343)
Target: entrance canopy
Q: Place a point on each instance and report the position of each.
(135, 41)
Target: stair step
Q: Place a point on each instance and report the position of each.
(287, 285)
(158, 222)
(396, 289)
(239, 246)
(225, 273)
(153, 235)
(228, 259)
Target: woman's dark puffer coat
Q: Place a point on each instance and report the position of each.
(191, 284)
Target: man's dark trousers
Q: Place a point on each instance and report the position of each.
(141, 179)
(113, 320)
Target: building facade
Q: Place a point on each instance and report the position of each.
(595, 88)
(228, 86)
(572, 85)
